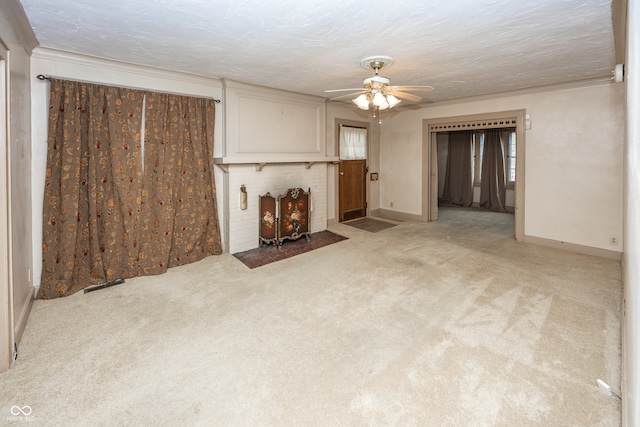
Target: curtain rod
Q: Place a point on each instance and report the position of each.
(42, 77)
(350, 126)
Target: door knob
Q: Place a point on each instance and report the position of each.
(341, 173)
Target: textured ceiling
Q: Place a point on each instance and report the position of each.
(460, 47)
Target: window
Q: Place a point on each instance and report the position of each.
(478, 152)
(353, 143)
(511, 158)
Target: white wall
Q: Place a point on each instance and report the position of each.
(275, 179)
(631, 260)
(76, 67)
(573, 160)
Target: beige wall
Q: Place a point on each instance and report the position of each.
(20, 130)
(631, 260)
(573, 161)
(263, 123)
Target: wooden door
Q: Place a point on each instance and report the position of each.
(353, 193)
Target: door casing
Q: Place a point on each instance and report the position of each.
(367, 190)
(6, 296)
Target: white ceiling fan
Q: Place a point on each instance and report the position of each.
(376, 92)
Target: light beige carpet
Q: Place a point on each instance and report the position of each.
(450, 323)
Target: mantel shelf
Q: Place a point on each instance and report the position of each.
(225, 162)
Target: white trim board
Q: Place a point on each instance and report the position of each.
(6, 295)
(573, 247)
(395, 215)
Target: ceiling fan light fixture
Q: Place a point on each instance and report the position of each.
(377, 93)
(376, 100)
(392, 100)
(362, 102)
(379, 100)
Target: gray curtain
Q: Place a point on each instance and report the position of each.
(458, 181)
(493, 189)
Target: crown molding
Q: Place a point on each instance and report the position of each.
(126, 67)
(597, 81)
(269, 92)
(16, 15)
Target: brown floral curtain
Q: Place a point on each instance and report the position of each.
(109, 213)
(180, 221)
(91, 190)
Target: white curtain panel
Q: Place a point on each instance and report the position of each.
(353, 143)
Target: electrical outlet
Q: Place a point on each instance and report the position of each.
(613, 240)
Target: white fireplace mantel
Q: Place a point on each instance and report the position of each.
(261, 161)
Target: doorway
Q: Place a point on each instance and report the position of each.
(501, 120)
(353, 141)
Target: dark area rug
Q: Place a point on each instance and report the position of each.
(269, 253)
(370, 224)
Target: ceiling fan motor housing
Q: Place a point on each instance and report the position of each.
(376, 82)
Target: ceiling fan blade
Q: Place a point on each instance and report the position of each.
(413, 88)
(407, 96)
(348, 94)
(342, 90)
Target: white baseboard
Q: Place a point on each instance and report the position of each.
(573, 247)
(396, 215)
